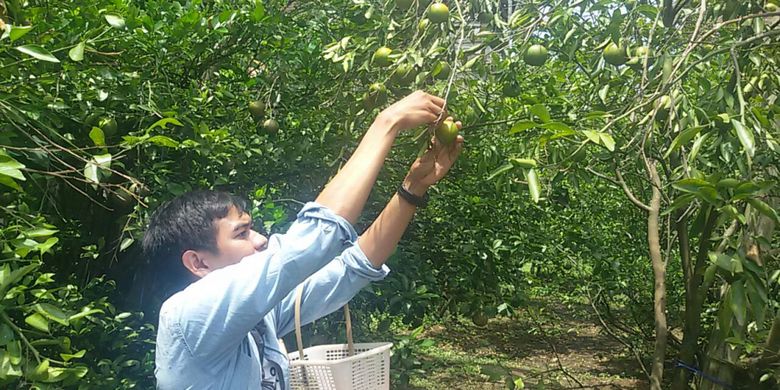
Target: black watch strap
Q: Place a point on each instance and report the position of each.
(419, 201)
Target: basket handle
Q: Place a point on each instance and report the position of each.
(299, 337)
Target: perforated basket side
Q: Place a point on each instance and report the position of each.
(368, 369)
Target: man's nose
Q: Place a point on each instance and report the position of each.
(258, 241)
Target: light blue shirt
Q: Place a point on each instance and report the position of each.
(203, 338)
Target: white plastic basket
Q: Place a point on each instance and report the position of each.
(362, 366)
(329, 367)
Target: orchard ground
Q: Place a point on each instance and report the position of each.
(571, 335)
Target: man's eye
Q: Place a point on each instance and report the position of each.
(244, 234)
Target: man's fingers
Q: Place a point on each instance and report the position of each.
(437, 101)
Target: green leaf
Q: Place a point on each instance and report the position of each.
(10, 167)
(691, 185)
(163, 141)
(765, 209)
(541, 112)
(97, 136)
(126, 243)
(259, 12)
(608, 141)
(38, 321)
(19, 31)
(593, 136)
(7, 181)
(85, 312)
(522, 125)
(533, 185)
(745, 137)
(163, 123)
(6, 334)
(502, 169)
(46, 246)
(40, 232)
(115, 21)
(738, 302)
(683, 138)
(523, 162)
(52, 312)
(102, 161)
(557, 126)
(67, 356)
(37, 51)
(679, 202)
(76, 53)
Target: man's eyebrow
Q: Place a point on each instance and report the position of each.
(243, 226)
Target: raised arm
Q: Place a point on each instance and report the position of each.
(379, 241)
(346, 194)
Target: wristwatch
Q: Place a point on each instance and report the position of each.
(418, 201)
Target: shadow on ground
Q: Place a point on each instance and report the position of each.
(571, 352)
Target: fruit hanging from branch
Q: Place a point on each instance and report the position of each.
(438, 13)
(638, 57)
(257, 109)
(376, 96)
(271, 126)
(108, 125)
(447, 132)
(441, 71)
(382, 56)
(615, 54)
(536, 55)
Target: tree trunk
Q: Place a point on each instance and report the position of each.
(659, 273)
(695, 294)
(772, 346)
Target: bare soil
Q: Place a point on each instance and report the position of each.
(571, 351)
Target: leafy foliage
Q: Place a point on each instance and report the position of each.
(111, 107)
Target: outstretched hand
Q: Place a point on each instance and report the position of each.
(434, 164)
(416, 109)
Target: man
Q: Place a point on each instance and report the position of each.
(221, 331)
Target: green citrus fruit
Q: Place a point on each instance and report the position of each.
(376, 96)
(257, 108)
(404, 74)
(485, 17)
(615, 55)
(424, 23)
(772, 6)
(438, 13)
(444, 70)
(536, 55)
(663, 104)
(382, 56)
(511, 89)
(271, 126)
(447, 132)
(638, 57)
(108, 125)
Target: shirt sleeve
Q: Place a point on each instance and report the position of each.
(328, 289)
(217, 311)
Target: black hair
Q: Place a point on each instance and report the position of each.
(186, 223)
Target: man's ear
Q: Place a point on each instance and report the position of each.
(195, 263)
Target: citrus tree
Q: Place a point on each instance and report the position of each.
(624, 151)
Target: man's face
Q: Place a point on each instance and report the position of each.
(235, 240)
